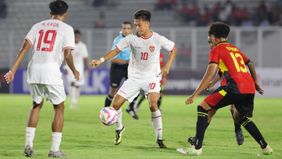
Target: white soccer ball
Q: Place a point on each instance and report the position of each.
(108, 116)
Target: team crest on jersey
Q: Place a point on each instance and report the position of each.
(152, 48)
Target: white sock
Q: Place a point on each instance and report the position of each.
(157, 124)
(56, 141)
(119, 119)
(73, 96)
(29, 136)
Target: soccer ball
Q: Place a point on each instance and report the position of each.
(108, 116)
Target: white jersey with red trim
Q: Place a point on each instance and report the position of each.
(145, 58)
(49, 39)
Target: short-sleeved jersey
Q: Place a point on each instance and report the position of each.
(232, 65)
(145, 59)
(49, 39)
(79, 53)
(125, 54)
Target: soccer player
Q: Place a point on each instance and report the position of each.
(134, 106)
(144, 71)
(80, 59)
(239, 89)
(52, 41)
(119, 64)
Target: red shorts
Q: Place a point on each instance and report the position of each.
(244, 103)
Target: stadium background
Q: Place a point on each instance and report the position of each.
(255, 29)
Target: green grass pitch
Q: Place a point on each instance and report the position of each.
(84, 137)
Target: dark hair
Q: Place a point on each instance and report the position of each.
(76, 31)
(219, 29)
(143, 14)
(58, 7)
(127, 22)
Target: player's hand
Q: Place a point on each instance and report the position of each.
(259, 89)
(190, 100)
(9, 76)
(95, 63)
(76, 75)
(165, 71)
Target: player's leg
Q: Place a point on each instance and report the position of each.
(131, 110)
(116, 77)
(141, 99)
(160, 98)
(128, 91)
(56, 94)
(211, 113)
(74, 93)
(238, 131)
(117, 103)
(245, 109)
(37, 93)
(156, 118)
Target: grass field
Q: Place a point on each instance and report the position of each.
(84, 137)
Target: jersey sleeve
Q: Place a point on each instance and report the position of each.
(214, 57)
(68, 40)
(166, 44)
(124, 43)
(31, 35)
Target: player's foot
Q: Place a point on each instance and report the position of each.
(239, 137)
(118, 136)
(190, 151)
(161, 143)
(191, 140)
(56, 154)
(28, 152)
(132, 113)
(267, 151)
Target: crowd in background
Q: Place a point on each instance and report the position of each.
(194, 14)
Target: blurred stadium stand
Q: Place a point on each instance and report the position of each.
(262, 44)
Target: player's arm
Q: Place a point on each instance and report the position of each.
(253, 73)
(9, 76)
(210, 72)
(95, 63)
(166, 68)
(69, 61)
(213, 81)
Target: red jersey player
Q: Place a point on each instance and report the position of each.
(239, 89)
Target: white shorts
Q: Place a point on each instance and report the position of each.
(54, 93)
(131, 87)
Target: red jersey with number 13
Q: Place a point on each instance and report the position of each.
(232, 64)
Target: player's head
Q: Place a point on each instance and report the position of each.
(142, 20)
(58, 8)
(126, 28)
(218, 31)
(77, 36)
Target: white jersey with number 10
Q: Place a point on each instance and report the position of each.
(145, 59)
(49, 39)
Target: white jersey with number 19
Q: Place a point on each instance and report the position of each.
(49, 39)
(144, 62)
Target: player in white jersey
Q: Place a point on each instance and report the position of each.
(80, 59)
(52, 42)
(144, 71)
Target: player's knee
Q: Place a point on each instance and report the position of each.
(59, 107)
(37, 105)
(153, 106)
(205, 105)
(243, 119)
